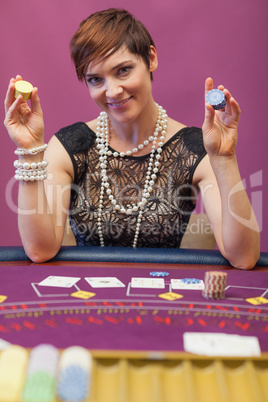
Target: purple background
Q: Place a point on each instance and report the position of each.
(195, 39)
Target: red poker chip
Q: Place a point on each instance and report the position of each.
(214, 285)
(217, 277)
(213, 291)
(213, 294)
(215, 274)
(214, 280)
(215, 297)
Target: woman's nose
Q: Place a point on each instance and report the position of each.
(113, 89)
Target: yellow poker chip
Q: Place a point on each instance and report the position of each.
(170, 296)
(83, 294)
(13, 363)
(23, 88)
(257, 300)
(2, 298)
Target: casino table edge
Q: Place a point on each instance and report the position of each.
(128, 254)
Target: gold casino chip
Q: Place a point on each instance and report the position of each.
(23, 88)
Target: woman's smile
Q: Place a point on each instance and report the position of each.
(119, 104)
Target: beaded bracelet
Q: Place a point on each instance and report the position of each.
(27, 175)
(34, 171)
(31, 166)
(31, 151)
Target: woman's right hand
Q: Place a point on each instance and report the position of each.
(25, 125)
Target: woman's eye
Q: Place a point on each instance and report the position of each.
(125, 70)
(94, 81)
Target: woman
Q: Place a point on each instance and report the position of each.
(133, 174)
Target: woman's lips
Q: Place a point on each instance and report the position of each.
(117, 104)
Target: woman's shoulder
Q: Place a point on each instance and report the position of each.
(78, 136)
(76, 128)
(191, 136)
(174, 127)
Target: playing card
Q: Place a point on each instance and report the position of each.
(190, 284)
(104, 282)
(152, 283)
(220, 344)
(59, 281)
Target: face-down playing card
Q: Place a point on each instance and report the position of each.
(105, 282)
(59, 281)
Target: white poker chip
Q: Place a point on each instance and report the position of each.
(216, 98)
(43, 357)
(76, 355)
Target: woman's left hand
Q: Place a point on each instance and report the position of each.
(220, 126)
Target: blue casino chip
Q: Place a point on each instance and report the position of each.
(191, 281)
(216, 98)
(157, 273)
(73, 384)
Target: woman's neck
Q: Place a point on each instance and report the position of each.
(128, 135)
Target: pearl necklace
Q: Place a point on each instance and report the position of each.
(102, 134)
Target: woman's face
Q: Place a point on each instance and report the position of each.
(120, 84)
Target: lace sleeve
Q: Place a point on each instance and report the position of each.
(193, 141)
(77, 139)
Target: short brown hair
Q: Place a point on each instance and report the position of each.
(103, 33)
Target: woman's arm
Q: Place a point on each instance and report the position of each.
(224, 196)
(42, 229)
(42, 205)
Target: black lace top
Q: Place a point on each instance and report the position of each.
(167, 210)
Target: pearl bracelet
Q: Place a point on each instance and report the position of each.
(27, 175)
(31, 166)
(31, 151)
(34, 171)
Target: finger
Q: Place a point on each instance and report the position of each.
(228, 107)
(14, 108)
(10, 92)
(35, 101)
(9, 99)
(208, 85)
(236, 111)
(209, 110)
(209, 116)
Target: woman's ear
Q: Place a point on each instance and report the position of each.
(153, 59)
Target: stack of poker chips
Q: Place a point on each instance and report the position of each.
(214, 285)
(41, 373)
(13, 362)
(75, 367)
